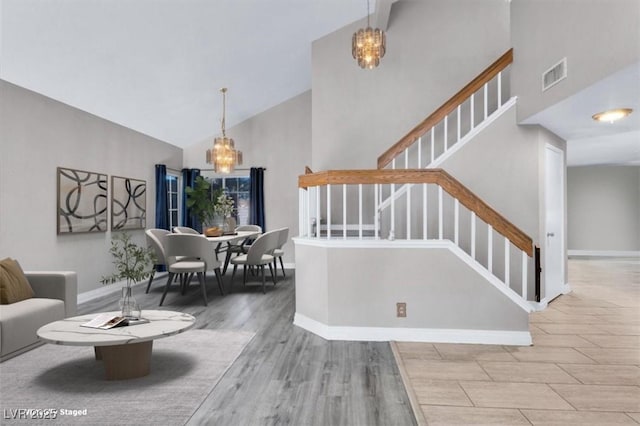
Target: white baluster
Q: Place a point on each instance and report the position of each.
(424, 211)
(486, 100)
(360, 211)
(317, 212)
(459, 107)
(506, 261)
(524, 275)
(308, 216)
(376, 215)
(301, 214)
(446, 128)
(433, 143)
(473, 235)
(328, 211)
(499, 89)
(392, 228)
(406, 158)
(344, 211)
(472, 111)
(420, 152)
(393, 164)
(440, 218)
(456, 213)
(490, 248)
(408, 212)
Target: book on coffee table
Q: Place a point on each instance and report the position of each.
(105, 321)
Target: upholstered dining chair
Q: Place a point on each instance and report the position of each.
(258, 256)
(184, 230)
(155, 240)
(283, 236)
(198, 258)
(242, 247)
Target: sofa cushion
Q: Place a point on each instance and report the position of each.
(14, 286)
(19, 321)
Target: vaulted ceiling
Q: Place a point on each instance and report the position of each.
(156, 66)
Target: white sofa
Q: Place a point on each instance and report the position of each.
(56, 295)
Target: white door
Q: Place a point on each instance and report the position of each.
(553, 249)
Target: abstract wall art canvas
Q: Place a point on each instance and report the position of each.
(82, 201)
(128, 203)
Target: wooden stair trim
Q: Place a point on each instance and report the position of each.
(416, 176)
(445, 109)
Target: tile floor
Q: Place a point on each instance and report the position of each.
(583, 367)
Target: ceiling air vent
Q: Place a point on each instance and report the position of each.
(554, 75)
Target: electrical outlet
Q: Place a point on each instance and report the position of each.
(401, 310)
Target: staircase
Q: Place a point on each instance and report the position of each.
(408, 201)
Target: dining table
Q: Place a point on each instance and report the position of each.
(230, 238)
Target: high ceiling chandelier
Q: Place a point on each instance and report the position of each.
(368, 45)
(224, 156)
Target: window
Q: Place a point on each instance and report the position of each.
(174, 200)
(236, 187)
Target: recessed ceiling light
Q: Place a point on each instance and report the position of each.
(612, 115)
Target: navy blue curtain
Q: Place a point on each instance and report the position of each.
(162, 210)
(188, 180)
(256, 194)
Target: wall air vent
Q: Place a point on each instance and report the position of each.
(554, 75)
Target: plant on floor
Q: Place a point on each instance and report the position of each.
(200, 200)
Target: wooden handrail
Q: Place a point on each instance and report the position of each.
(436, 176)
(446, 108)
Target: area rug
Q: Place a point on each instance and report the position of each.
(184, 370)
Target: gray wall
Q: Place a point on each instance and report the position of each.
(330, 290)
(604, 208)
(598, 37)
(434, 48)
(38, 134)
(280, 140)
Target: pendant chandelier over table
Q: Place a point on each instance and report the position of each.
(368, 45)
(224, 156)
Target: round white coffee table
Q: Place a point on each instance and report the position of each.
(125, 351)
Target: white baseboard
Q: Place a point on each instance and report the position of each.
(542, 304)
(603, 253)
(401, 334)
(539, 306)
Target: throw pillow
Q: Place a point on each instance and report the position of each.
(14, 286)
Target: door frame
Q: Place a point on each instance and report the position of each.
(564, 286)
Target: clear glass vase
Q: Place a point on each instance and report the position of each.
(129, 308)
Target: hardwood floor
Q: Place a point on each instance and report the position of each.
(285, 375)
(583, 367)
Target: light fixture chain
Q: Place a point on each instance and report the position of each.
(224, 109)
(368, 14)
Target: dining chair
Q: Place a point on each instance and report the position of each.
(278, 253)
(198, 259)
(258, 256)
(184, 230)
(242, 247)
(155, 241)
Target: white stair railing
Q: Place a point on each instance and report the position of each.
(437, 130)
(433, 214)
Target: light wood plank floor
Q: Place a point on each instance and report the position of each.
(583, 367)
(285, 375)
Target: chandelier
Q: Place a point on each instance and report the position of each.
(368, 45)
(224, 156)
